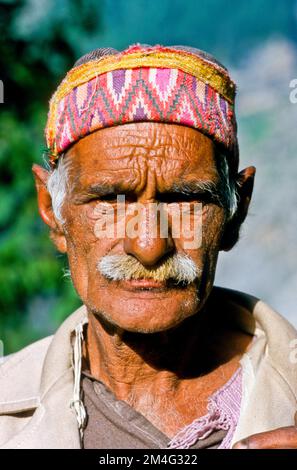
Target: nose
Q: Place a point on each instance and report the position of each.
(146, 243)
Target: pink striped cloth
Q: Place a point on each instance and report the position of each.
(223, 413)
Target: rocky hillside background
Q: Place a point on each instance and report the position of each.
(264, 262)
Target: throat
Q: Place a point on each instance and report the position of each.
(170, 388)
(168, 377)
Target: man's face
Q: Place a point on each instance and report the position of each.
(146, 162)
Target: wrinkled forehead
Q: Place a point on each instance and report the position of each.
(167, 148)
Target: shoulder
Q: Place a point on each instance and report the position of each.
(20, 372)
(254, 313)
(277, 336)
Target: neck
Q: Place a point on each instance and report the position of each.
(169, 376)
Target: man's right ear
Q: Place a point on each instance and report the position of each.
(45, 208)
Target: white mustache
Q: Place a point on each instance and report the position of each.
(179, 268)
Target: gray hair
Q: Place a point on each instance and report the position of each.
(58, 185)
(228, 187)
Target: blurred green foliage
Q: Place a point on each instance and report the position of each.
(33, 297)
(40, 40)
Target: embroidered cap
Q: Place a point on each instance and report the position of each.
(175, 84)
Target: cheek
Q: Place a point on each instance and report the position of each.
(213, 227)
(84, 249)
(204, 232)
(205, 255)
(82, 229)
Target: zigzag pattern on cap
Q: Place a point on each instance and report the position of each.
(101, 92)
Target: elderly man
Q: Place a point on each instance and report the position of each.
(156, 357)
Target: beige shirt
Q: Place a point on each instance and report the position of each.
(37, 383)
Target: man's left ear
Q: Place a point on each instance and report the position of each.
(245, 184)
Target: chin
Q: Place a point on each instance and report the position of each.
(147, 312)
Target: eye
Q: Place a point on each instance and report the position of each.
(108, 198)
(181, 197)
(118, 197)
